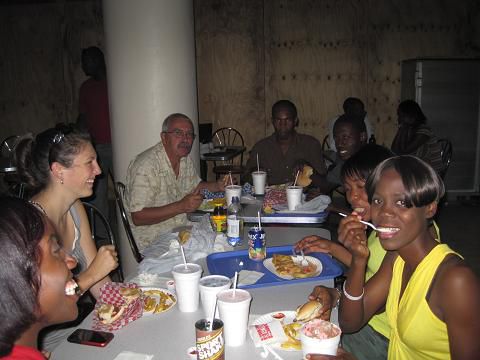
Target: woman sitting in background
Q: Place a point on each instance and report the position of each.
(36, 278)
(415, 137)
(59, 168)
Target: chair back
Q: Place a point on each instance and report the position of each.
(446, 153)
(326, 143)
(102, 233)
(8, 145)
(119, 196)
(228, 136)
(8, 166)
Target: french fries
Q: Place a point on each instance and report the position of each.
(157, 301)
(285, 265)
(291, 331)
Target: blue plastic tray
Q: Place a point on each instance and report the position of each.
(321, 215)
(226, 263)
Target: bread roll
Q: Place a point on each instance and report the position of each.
(183, 236)
(304, 176)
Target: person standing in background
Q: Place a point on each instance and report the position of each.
(94, 116)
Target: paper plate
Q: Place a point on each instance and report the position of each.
(287, 319)
(158, 294)
(268, 263)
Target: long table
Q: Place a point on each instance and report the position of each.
(170, 334)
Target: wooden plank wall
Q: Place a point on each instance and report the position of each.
(318, 52)
(40, 71)
(250, 53)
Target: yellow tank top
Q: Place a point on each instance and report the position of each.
(416, 332)
(379, 322)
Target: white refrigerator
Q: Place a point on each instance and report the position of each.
(448, 90)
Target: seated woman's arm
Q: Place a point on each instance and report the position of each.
(461, 311)
(99, 264)
(314, 243)
(353, 314)
(407, 141)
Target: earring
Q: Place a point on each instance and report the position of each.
(61, 180)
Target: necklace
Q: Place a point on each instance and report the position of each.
(38, 206)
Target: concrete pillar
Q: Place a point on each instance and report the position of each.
(150, 56)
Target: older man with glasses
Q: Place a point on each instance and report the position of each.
(162, 184)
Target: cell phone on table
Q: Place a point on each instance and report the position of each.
(90, 337)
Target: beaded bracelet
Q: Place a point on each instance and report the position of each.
(351, 297)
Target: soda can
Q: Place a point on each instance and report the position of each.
(257, 249)
(210, 342)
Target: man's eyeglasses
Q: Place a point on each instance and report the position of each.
(179, 134)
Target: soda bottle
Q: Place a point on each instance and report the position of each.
(234, 222)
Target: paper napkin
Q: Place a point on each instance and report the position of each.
(318, 204)
(248, 277)
(128, 355)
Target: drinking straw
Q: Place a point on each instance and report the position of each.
(296, 178)
(231, 180)
(259, 223)
(183, 256)
(213, 315)
(235, 283)
(258, 164)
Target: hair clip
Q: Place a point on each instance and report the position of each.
(58, 138)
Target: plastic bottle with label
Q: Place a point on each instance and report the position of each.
(219, 219)
(234, 222)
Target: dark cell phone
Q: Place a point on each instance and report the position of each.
(90, 337)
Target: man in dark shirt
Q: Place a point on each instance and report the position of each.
(283, 152)
(94, 116)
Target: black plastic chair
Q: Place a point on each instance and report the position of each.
(228, 136)
(102, 233)
(119, 196)
(446, 153)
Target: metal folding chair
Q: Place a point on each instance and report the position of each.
(119, 196)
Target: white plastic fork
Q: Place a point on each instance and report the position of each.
(304, 261)
(366, 223)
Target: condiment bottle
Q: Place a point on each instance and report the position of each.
(219, 219)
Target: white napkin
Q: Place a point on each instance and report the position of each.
(318, 204)
(128, 355)
(248, 277)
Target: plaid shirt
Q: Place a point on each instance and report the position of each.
(151, 182)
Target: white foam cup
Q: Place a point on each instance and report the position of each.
(231, 191)
(234, 314)
(294, 196)
(259, 180)
(210, 286)
(186, 286)
(314, 345)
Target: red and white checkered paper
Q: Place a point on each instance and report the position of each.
(110, 294)
(275, 197)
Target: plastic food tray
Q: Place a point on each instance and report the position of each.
(321, 215)
(226, 263)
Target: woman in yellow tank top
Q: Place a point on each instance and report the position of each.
(432, 298)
